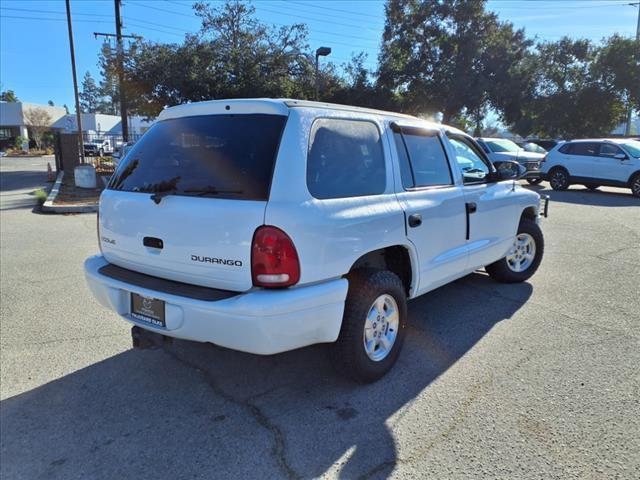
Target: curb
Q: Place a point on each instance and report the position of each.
(48, 206)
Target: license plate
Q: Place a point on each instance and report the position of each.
(147, 309)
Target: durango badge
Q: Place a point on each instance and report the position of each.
(219, 261)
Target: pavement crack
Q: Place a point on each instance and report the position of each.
(278, 451)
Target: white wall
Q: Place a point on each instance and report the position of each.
(12, 113)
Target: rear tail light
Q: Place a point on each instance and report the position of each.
(274, 260)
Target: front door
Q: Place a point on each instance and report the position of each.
(492, 213)
(434, 206)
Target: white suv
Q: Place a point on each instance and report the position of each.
(268, 225)
(594, 162)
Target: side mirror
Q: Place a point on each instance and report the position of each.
(620, 156)
(509, 170)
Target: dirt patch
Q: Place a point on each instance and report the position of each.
(69, 194)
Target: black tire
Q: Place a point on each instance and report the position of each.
(348, 354)
(592, 187)
(559, 179)
(534, 181)
(500, 270)
(634, 184)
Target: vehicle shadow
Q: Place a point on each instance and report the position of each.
(578, 194)
(194, 410)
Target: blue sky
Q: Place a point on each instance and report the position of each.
(34, 49)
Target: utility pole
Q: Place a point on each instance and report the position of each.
(627, 130)
(120, 67)
(75, 84)
(123, 100)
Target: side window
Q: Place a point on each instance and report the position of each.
(609, 150)
(345, 159)
(405, 168)
(428, 161)
(588, 149)
(474, 169)
(566, 148)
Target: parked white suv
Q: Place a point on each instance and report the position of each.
(594, 162)
(268, 225)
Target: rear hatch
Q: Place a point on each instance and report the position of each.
(186, 201)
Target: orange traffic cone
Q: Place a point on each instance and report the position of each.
(50, 177)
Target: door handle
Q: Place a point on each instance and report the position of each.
(415, 220)
(470, 208)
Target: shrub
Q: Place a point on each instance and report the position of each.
(41, 196)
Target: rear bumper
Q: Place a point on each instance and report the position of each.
(259, 321)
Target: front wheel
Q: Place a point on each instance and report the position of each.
(635, 185)
(373, 326)
(559, 179)
(534, 181)
(524, 256)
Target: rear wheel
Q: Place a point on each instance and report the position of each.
(559, 179)
(534, 181)
(524, 257)
(373, 326)
(635, 185)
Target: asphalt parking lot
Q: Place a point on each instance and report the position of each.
(535, 380)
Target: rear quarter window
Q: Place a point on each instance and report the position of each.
(221, 156)
(345, 159)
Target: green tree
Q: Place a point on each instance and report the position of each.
(451, 57)
(90, 95)
(234, 55)
(568, 100)
(617, 68)
(8, 96)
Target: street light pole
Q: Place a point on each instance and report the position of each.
(75, 84)
(320, 52)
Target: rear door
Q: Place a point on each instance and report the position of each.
(434, 205)
(185, 202)
(583, 160)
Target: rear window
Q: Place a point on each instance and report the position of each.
(221, 156)
(345, 159)
(589, 149)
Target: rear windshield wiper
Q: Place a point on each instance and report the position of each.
(210, 191)
(158, 196)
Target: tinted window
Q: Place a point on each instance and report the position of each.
(222, 156)
(403, 158)
(484, 147)
(474, 169)
(345, 159)
(609, 150)
(566, 148)
(428, 161)
(584, 148)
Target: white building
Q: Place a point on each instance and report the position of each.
(13, 123)
(102, 124)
